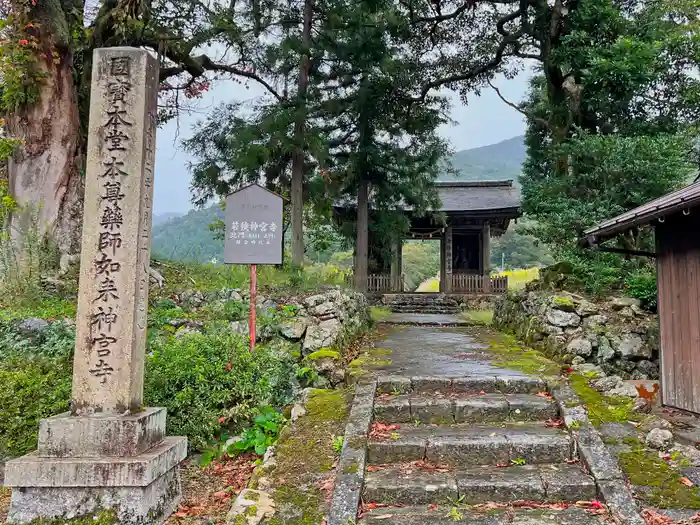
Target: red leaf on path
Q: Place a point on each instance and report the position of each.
(686, 482)
(544, 395)
(572, 461)
(553, 423)
(596, 504)
(482, 393)
(221, 494)
(432, 506)
(501, 464)
(651, 517)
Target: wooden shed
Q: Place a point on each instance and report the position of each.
(676, 219)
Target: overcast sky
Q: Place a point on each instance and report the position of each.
(485, 120)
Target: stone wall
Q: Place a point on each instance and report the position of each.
(614, 334)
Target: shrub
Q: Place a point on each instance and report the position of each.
(642, 286)
(31, 390)
(206, 380)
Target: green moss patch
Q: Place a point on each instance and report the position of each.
(661, 482)
(369, 359)
(305, 457)
(509, 354)
(322, 353)
(564, 303)
(603, 409)
(106, 517)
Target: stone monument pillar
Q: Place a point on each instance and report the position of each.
(109, 452)
(449, 239)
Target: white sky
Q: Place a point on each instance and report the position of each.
(485, 120)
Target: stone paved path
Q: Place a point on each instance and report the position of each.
(458, 440)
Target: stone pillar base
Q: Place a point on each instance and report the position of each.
(140, 487)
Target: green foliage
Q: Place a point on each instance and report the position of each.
(35, 374)
(261, 434)
(642, 285)
(518, 249)
(203, 378)
(420, 261)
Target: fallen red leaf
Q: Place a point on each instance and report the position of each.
(544, 395)
(553, 423)
(221, 494)
(686, 482)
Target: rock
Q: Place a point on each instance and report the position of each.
(322, 335)
(552, 330)
(564, 303)
(269, 454)
(562, 319)
(641, 406)
(325, 310)
(294, 329)
(253, 506)
(577, 360)
(652, 422)
(589, 369)
(177, 323)
(648, 368)
(623, 390)
(298, 411)
(32, 325)
(631, 345)
(155, 277)
(240, 327)
(586, 308)
(618, 303)
(594, 322)
(660, 439)
(637, 375)
(579, 346)
(624, 365)
(605, 351)
(327, 363)
(605, 384)
(192, 298)
(313, 300)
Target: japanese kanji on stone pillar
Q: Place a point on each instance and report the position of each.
(109, 452)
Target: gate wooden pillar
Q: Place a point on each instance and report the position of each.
(486, 257)
(396, 264)
(447, 258)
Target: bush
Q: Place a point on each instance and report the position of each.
(31, 390)
(207, 380)
(642, 286)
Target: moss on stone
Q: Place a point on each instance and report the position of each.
(304, 457)
(104, 517)
(633, 442)
(351, 469)
(663, 489)
(610, 440)
(603, 409)
(379, 313)
(324, 352)
(564, 303)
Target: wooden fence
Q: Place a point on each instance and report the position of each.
(473, 283)
(379, 283)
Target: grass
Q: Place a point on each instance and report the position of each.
(431, 285)
(517, 279)
(479, 317)
(603, 409)
(379, 313)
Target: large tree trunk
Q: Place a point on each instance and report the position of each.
(44, 173)
(297, 192)
(362, 241)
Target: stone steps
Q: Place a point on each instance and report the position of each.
(501, 384)
(467, 445)
(403, 484)
(444, 515)
(424, 310)
(462, 408)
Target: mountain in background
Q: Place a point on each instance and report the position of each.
(188, 238)
(499, 161)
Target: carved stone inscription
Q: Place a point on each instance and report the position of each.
(112, 304)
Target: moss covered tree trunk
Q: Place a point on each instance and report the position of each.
(44, 174)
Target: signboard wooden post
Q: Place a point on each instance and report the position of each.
(254, 235)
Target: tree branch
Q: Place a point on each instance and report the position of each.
(529, 115)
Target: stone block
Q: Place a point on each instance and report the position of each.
(523, 407)
(469, 450)
(393, 384)
(137, 471)
(474, 385)
(133, 505)
(101, 435)
(405, 448)
(393, 409)
(501, 484)
(427, 385)
(519, 384)
(488, 408)
(418, 488)
(432, 410)
(567, 483)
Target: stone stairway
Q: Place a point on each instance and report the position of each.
(423, 303)
(464, 450)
